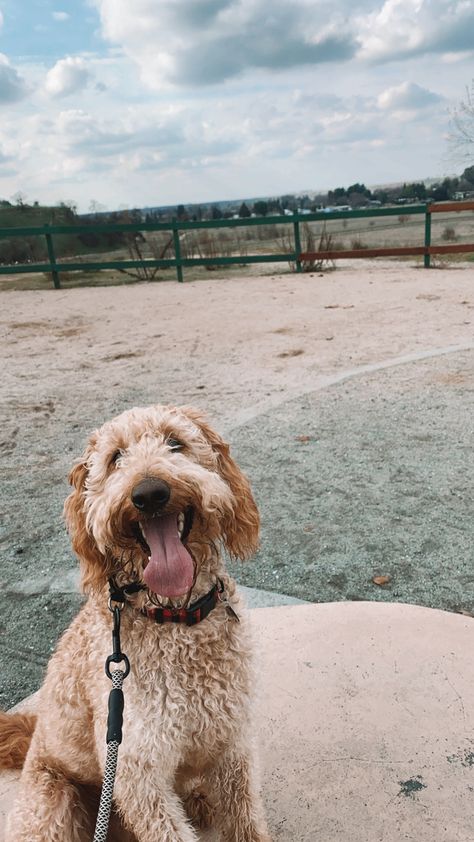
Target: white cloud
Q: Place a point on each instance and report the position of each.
(82, 133)
(12, 86)
(408, 95)
(402, 28)
(68, 76)
(200, 42)
(61, 16)
(451, 58)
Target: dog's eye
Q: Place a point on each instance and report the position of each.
(174, 444)
(115, 457)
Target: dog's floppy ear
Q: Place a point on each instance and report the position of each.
(94, 573)
(241, 526)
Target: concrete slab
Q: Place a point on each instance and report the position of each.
(366, 722)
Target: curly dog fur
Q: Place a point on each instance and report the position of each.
(187, 759)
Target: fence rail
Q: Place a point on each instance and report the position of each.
(176, 227)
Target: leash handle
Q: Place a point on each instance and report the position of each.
(115, 717)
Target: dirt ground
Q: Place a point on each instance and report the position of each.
(348, 398)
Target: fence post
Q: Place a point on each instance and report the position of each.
(296, 227)
(177, 250)
(427, 260)
(52, 260)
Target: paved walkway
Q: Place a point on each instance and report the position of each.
(366, 722)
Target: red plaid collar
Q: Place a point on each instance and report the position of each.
(190, 616)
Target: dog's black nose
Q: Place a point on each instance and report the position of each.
(150, 495)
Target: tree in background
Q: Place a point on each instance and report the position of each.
(444, 190)
(360, 189)
(355, 195)
(338, 196)
(289, 202)
(20, 200)
(463, 122)
(67, 211)
(244, 212)
(274, 207)
(96, 207)
(260, 208)
(440, 192)
(357, 199)
(468, 176)
(416, 190)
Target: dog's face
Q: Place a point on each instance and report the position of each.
(158, 487)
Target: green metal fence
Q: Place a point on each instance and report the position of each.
(176, 227)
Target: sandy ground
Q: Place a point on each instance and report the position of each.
(348, 398)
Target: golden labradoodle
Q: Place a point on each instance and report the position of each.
(154, 496)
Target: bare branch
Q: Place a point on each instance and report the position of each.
(462, 117)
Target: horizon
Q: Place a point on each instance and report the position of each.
(430, 180)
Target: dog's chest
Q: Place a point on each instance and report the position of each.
(190, 689)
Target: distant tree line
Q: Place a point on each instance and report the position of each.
(355, 195)
(18, 212)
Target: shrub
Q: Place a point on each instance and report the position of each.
(449, 234)
(357, 244)
(309, 243)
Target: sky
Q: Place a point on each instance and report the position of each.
(155, 102)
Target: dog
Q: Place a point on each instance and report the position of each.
(155, 497)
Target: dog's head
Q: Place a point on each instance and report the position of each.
(158, 486)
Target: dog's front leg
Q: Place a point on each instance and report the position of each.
(240, 813)
(149, 806)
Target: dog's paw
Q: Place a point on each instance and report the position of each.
(199, 810)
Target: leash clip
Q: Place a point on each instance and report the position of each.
(117, 656)
(119, 604)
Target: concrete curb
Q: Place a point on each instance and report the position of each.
(256, 598)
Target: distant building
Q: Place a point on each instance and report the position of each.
(336, 208)
(464, 194)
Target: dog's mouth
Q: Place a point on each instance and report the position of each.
(170, 568)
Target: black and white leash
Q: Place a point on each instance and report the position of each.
(194, 614)
(114, 723)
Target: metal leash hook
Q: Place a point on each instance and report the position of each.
(114, 723)
(117, 655)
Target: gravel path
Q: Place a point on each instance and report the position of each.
(369, 478)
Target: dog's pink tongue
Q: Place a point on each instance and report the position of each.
(170, 569)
